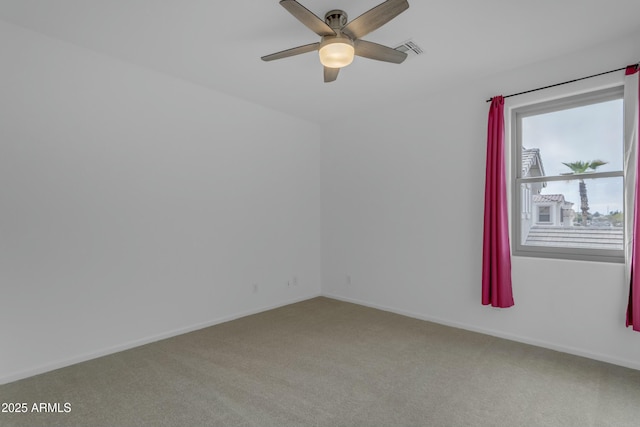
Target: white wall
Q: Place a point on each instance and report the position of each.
(135, 206)
(402, 199)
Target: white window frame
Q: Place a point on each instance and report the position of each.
(560, 102)
(539, 221)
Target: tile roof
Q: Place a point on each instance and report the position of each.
(530, 158)
(549, 198)
(576, 237)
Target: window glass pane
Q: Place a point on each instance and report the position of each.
(581, 134)
(575, 214)
(544, 213)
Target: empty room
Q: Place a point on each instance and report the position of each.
(319, 213)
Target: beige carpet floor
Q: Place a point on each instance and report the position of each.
(324, 362)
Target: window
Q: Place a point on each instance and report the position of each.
(568, 187)
(544, 213)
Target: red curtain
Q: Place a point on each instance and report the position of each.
(496, 256)
(633, 309)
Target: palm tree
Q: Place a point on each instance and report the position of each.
(582, 167)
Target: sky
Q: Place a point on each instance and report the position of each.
(592, 132)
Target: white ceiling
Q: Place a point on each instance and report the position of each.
(219, 44)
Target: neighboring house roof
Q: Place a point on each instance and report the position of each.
(576, 237)
(555, 198)
(530, 158)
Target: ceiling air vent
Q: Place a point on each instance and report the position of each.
(410, 48)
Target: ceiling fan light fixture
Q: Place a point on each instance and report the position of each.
(341, 39)
(336, 52)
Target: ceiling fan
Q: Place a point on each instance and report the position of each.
(341, 40)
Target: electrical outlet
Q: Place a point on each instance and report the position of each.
(295, 280)
(348, 279)
(255, 288)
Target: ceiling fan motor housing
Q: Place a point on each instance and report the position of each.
(336, 19)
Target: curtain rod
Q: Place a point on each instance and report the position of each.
(563, 83)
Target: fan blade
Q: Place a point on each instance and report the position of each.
(378, 52)
(291, 52)
(308, 18)
(330, 74)
(375, 18)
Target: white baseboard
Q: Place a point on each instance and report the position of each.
(633, 364)
(142, 341)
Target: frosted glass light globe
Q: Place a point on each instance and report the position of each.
(336, 53)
